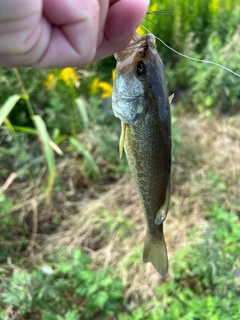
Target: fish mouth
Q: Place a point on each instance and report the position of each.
(131, 99)
(128, 109)
(124, 98)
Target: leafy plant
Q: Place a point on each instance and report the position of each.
(205, 285)
(201, 18)
(207, 30)
(220, 88)
(57, 121)
(205, 277)
(63, 289)
(41, 129)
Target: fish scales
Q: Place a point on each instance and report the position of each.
(140, 100)
(146, 151)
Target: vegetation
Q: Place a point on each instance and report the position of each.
(71, 227)
(203, 285)
(206, 29)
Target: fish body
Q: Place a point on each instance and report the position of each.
(140, 101)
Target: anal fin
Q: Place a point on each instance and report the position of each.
(162, 212)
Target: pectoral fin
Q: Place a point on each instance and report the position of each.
(162, 212)
(122, 139)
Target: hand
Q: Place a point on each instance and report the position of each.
(64, 33)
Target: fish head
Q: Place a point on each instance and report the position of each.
(138, 72)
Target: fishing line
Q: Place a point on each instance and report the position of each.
(193, 59)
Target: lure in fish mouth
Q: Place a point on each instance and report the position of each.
(140, 101)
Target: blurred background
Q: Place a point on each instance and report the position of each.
(71, 228)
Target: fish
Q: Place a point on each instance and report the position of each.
(140, 100)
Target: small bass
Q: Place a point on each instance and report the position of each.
(141, 102)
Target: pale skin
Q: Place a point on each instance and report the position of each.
(65, 33)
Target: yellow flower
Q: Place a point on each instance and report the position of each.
(50, 81)
(141, 31)
(106, 88)
(94, 86)
(69, 76)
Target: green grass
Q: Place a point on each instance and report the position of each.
(204, 285)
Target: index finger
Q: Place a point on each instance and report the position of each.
(123, 18)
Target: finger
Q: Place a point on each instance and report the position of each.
(26, 47)
(18, 9)
(67, 35)
(75, 37)
(123, 19)
(103, 5)
(20, 30)
(18, 25)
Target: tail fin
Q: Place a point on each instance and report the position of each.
(155, 251)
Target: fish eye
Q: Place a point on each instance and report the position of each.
(141, 68)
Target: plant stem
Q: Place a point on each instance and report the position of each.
(24, 92)
(72, 123)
